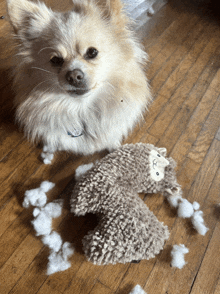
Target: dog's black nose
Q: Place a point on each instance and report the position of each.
(75, 77)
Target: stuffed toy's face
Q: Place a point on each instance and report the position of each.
(157, 165)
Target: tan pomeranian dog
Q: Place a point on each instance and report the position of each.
(79, 79)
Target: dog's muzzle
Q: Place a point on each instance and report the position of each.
(76, 79)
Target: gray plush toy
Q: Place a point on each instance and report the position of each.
(127, 230)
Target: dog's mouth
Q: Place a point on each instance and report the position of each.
(78, 91)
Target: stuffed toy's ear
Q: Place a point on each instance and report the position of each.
(23, 13)
(163, 151)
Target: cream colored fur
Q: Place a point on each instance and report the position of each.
(118, 92)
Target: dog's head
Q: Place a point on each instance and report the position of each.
(75, 52)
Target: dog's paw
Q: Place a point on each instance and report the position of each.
(47, 157)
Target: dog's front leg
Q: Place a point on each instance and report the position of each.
(47, 154)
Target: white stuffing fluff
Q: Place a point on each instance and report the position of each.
(82, 169)
(43, 218)
(137, 290)
(37, 197)
(177, 254)
(46, 186)
(47, 155)
(53, 241)
(198, 223)
(53, 209)
(187, 210)
(174, 200)
(42, 222)
(196, 205)
(58, 261)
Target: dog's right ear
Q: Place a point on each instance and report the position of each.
(114, 10)
(26, 13)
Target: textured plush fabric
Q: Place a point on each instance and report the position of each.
(127, 229)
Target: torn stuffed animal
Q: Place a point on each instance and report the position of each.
(127, 230)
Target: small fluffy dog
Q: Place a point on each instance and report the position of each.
(79, 79)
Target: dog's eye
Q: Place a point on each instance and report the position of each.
(57, 61)
(91, 53)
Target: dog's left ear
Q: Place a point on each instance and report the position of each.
(26, 14)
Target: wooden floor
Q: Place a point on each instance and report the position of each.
(183, 43)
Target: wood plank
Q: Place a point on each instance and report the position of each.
(9, 138)
(141, 135)
(10, 187)
(155, 27)
(136, 274)
(14, 158)
(14, 236)
(18, 262)
(217, 289)
(191, 88)
(33, 277)
(185, 65)
(206, 174)
(176, 50)
(207, 134)
(100, 289)
(84, 280)
(208, 275)
(179, 93)
(217, 136)
(167, 35)
(175, 116)
(186, 173)
(194, 126)
(9, 213)
(6, 49)
(112, 275)
(48, 290)
(211, 162)
(154, 110)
